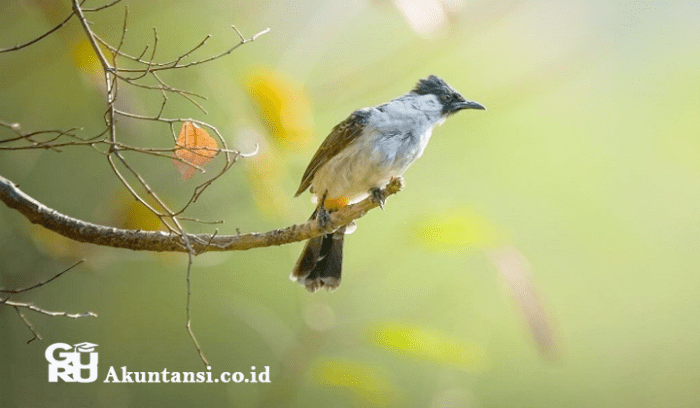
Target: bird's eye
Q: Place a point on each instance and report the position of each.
(446, 97)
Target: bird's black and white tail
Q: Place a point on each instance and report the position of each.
(321, 262)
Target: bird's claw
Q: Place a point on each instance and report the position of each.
(378, 196)
(324, 219)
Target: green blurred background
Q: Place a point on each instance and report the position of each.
(586, 164)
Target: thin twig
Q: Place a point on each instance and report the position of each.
(136, 195)
(216, 232)
(143, 52)
(201, 43)
(175, 63)
(160, 87)
(29, 325)
(29, 136)
(150, 61)
(41, 37)
(139, 58)
(162, 105)
(184, 94)
(143, 183)
(108, 5)
(156, 153)
(91, 36)
(47, 312)
(201, 221)
(42, 283)
(188, 324)
(115, 55)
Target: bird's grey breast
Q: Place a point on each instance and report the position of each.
(393, 136)
(401, 130)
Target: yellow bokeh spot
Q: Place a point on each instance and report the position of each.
(364, 382)
(55, 245)
(283, 105)
(85, 58)
(134, 215)
(455, 231)
(426, 345)
(265, 176)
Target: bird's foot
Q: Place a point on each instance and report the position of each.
(378, 195)
(324, 219)
(395, 184)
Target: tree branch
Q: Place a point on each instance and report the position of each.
(46, 34)
(42, 283)
(160, 241)
(176, 238)
(43, 311)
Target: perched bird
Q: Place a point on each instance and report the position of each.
(359, 157)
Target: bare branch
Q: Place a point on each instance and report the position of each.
(184, 94)
(201, 221)
(150, 192)
(253, 38)
(160, 241)
(108, 5)
(196, 47)
(176, 239)
(46, 312)
(115, 55)
(15, 127)
(42, 283)
(144, 51)
(175, 64)
(91, 36)
(188, 324)
(41, 37)
(26, 321)
(136, 195)
(146, 71)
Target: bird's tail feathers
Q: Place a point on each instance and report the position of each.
(320, 263)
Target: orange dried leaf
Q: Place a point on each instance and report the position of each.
(195, 146)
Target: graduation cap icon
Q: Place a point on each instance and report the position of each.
(84, 347)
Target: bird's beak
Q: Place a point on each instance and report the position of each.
(469, 105)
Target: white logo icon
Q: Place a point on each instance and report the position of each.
(69, 366)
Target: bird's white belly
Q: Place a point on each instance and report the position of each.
(367, 164)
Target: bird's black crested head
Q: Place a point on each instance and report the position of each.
(451, 100)
(433, 85)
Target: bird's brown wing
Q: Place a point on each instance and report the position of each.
(340, 137)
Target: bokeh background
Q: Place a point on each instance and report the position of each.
(580, 185)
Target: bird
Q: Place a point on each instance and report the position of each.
(359, 157)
